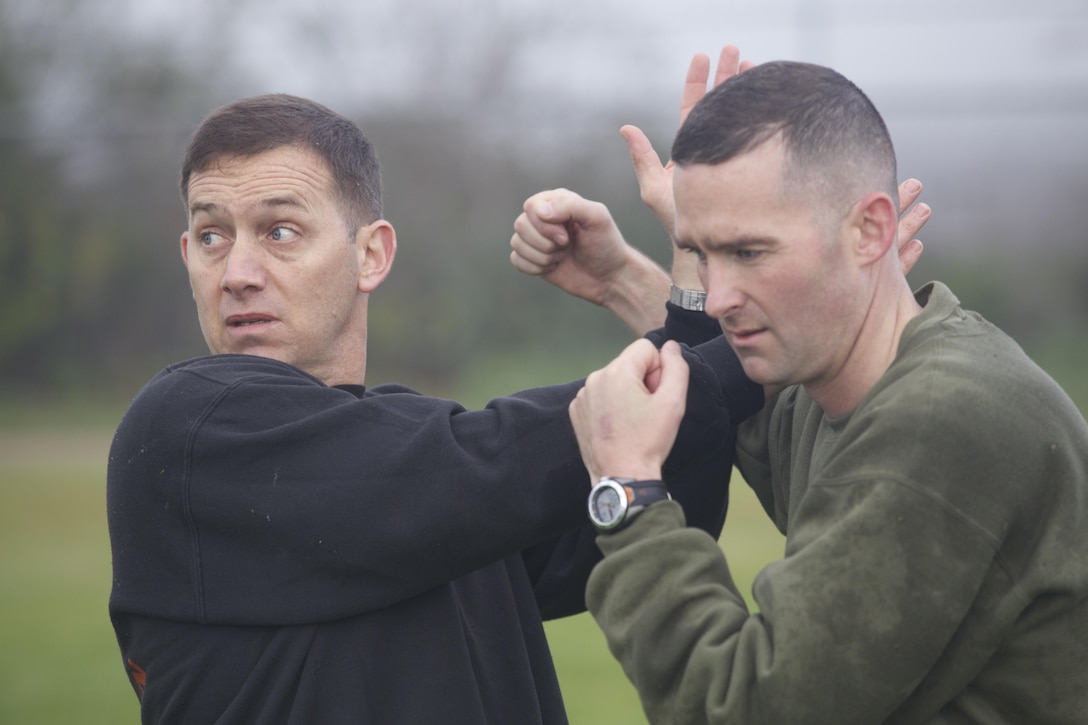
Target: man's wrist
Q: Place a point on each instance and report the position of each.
(615, 501)
(637, 295)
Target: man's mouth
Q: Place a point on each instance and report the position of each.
(237, 321)
(744, 335)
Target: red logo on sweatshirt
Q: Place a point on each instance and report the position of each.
(139, 677)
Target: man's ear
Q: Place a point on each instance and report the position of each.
(185, 247)
(876, 223)
(376, 245)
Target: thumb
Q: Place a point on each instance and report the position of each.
(548, 216)
(643, 156)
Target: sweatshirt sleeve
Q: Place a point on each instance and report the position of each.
(244, 491)
(832, 615)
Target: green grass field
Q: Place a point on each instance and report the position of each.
(59, 661)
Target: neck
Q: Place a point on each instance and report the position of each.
(352, 375)
(873, 350)
(351, 366)
(345, 364)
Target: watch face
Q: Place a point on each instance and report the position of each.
(606, 505)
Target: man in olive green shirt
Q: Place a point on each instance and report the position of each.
(932, 482)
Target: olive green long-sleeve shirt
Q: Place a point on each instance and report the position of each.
(936, 563)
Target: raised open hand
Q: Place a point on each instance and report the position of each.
(655, 178)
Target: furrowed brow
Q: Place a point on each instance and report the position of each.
(277, 202)
(272, 203)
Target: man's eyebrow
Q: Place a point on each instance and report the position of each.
(206, 207)
(686, 246)
(726, 245)
(272, 202)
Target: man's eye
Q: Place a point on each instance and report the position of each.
(210, 239)
(283, 234)
(700, 256)
(747, 255)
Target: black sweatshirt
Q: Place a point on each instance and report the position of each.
(289, 552)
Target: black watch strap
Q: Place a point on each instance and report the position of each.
(644, 493)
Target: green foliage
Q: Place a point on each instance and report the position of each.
(90, 133)
(94, 295)
(55, 265)
(452, 298)
(1064, 356)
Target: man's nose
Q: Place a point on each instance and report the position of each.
(244, 268)
(723, 293)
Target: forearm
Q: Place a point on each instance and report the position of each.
(830, 612)
(639, 595)
(637, 296)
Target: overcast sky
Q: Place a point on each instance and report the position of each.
(376, 49)
(963, 84)
(999, 72)
(987, 100)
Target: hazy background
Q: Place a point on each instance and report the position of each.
(474, 106)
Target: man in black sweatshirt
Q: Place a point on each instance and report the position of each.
(290, 546)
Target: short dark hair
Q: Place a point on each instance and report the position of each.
(835, 139)
(254, 125)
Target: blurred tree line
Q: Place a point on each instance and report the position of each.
(94, 295)
(94, 298)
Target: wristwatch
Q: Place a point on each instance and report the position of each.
(689, 299)
(614, 502)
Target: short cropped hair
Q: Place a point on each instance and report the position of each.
(254, 125)
(836, 142)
